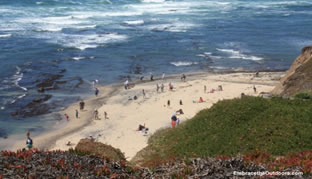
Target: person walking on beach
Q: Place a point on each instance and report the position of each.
(255, 89)
(152, 77)
(143, 93)
(105, 115)
(162, 87)
(82, 104)
(96, 91)
(77, 114)
(96, 114)
(163, 76)
(126, 84)
(205, 89)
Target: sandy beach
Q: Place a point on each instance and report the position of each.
(125, 114)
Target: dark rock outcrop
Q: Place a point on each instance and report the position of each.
(34, 108)
(299, 76)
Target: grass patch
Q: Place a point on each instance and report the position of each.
(238, 126)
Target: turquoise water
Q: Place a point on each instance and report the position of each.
(108, 40)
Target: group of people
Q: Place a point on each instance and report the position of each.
(220, 88)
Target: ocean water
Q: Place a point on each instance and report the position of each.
(109, 40)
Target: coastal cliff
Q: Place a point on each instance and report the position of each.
(299, 76)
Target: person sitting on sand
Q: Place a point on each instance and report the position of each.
(201, 100)
(220, 88)
(180, 111)
(68, 143)
(170, 86)
(135, 97)
(142, 128)
(212, 90)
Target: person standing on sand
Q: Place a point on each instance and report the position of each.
(66, 116)
(82, 104)
(181, 102)
(77, 114)
(205, 89)
(168, 103)
(126, 84)
(96, 91)
(28, 140)
(143, 93)
(152, 77)
(96, 114)
(183, 77)
(162, 87)
(105, 115)
(255, 89)
(163, 76)
(157, 87)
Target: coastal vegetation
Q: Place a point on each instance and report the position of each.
(251, 126)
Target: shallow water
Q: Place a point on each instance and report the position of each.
(110, 40)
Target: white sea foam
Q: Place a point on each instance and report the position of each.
(78, 58)
(18, 76)
(136, 22)
(85, 27)
(39, 3)
(183, 63)
(5, 35)
(175, 26)
(237, 54)
(83, 42)
(209, 54)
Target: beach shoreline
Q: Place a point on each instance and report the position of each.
(125, 115)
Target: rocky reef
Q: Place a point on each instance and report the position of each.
(298, 78)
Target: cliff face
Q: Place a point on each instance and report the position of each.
(299, 76)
